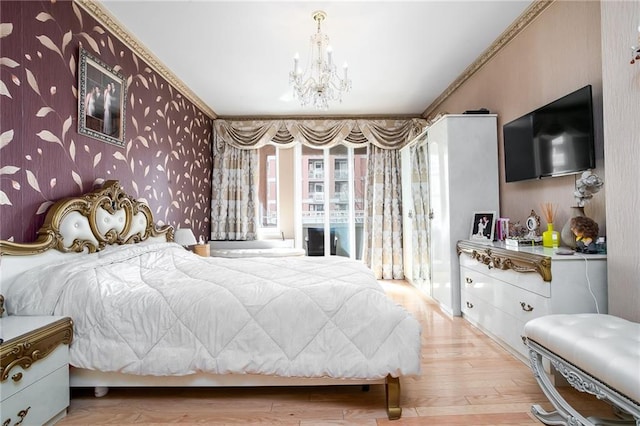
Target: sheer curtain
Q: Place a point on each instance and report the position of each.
(234, 197)
(383, 215)
(420, 195)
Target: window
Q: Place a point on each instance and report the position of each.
(341, 169)
(316, 169)
(331, 222)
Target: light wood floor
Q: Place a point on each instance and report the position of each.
(467, 379)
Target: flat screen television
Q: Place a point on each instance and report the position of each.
(554, 140)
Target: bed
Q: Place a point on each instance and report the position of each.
(147, 312)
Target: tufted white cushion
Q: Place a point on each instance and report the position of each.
(76, 226)
(106, 221)
(604, 346)
(138, 225)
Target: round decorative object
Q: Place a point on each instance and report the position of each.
(533, 224)
(566, 235)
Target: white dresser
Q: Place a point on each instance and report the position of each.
(502, 288)
(34, 369)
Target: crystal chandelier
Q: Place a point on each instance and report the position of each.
(319, 83)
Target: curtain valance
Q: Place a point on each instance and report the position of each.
(319, 133)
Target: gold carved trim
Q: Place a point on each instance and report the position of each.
(110, 197)
(509, 34)
(96, 10)
(506, 259)
(25, 350)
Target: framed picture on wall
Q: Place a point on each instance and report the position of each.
(101, 100)
(482, 226)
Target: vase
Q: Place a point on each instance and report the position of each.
(566, 235)
(550, 238)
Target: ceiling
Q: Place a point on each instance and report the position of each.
(236, 55)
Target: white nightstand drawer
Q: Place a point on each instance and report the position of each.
(59, 357)
(41, 400)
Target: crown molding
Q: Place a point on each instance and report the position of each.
(319, 117)
(100, 13)
(509, 34)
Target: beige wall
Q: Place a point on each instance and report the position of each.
(556, 54)
(621, 107)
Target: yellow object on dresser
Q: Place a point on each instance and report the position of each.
(550, 238)
(34, 369)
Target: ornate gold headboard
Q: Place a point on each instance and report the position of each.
(92, 221)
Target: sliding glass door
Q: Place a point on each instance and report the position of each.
(331, 199)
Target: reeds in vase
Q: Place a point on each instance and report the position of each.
(550, 238)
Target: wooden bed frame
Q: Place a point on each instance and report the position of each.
(107, 216)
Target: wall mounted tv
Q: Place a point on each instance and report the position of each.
(554, 140)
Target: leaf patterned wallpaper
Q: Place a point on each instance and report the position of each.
(166, 159)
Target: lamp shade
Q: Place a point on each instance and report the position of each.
(184, 237)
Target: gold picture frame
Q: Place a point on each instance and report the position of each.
(101, 100)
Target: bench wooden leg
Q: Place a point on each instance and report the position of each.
(392, 387)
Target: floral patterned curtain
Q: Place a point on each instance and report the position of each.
(420, 195)
(233, 198)
(383, 216)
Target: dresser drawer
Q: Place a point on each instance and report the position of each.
(531, 281)
(521, 304)
(59, 357)
(496, 323)
(41, 400)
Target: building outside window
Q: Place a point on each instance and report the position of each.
(268, 187)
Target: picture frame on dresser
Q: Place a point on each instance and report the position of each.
(101, 100)
(483, 225)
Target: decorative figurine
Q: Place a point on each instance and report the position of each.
(586, 232)
(533, 225)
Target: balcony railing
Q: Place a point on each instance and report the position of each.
(341, 174)
(313, 217)
(316, 174)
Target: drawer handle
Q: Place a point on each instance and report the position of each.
(16, 377)
(469, 305)
(22, 414)
(526, 307)
(468, 280)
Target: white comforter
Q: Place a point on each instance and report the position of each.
(156, 309)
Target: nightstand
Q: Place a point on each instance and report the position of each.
(200, 249)
(34, 369)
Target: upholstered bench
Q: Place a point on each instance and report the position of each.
(598, 354)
